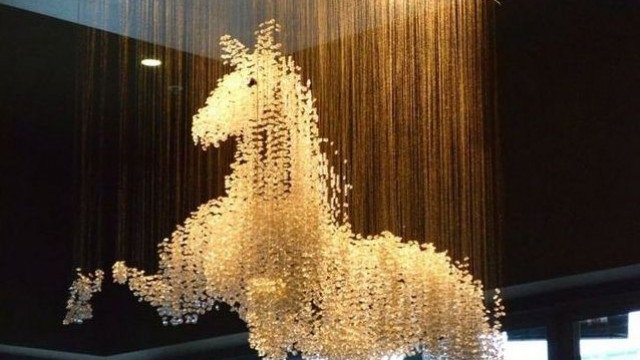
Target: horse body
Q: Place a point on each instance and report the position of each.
(275, 247)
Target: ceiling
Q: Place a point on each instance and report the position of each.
(133, 19)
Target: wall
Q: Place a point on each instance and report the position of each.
(568, 87)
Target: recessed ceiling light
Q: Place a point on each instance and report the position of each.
(151, 62)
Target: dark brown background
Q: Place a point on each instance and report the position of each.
(568, 84)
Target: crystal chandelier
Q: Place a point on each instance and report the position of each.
(279, 249)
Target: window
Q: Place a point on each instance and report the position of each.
(611, 337)
(527, 344)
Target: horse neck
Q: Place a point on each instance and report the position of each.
(280, 151)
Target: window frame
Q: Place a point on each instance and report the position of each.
(560, 304)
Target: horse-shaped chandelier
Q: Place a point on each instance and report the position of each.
(279, 249)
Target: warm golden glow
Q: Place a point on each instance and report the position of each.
(280, 250)
(151, 62)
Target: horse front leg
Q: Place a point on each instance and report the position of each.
(183, 288)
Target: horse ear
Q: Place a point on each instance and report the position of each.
(233, 51)
(266, 35)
